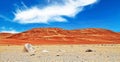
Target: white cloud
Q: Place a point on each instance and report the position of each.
(5, 18)
(9, 31)
(52, 12)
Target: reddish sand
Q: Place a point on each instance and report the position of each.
(61, 36)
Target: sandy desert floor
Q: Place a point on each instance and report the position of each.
(62, 53)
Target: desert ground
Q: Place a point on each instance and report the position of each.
(61, 53)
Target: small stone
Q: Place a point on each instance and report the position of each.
(89, 50)
(32, 55)
(57, 55)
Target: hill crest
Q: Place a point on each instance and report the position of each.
(61, 36)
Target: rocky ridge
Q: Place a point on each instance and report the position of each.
(61, 36)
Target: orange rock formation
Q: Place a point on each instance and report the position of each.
(61, 36)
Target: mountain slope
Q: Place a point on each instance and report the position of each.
(61, 36)
(4, 35)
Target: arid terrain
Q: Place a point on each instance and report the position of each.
(61, 36)
(62, 53)
(59, 45)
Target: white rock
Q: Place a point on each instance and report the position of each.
(29, 48)
(45, 51)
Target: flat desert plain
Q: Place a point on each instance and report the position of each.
(61, 53)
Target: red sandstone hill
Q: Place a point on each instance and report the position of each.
(4, 35)
(61, 36)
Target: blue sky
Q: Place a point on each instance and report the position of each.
(21, 15)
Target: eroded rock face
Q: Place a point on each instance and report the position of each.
(61, 36)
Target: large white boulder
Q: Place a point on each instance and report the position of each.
(29, 48)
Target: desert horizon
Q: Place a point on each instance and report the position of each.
(60, 36)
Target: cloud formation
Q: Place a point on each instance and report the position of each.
(7, 30)
(4, 18)
(52, 12)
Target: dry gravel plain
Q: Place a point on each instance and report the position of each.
(61, 53)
